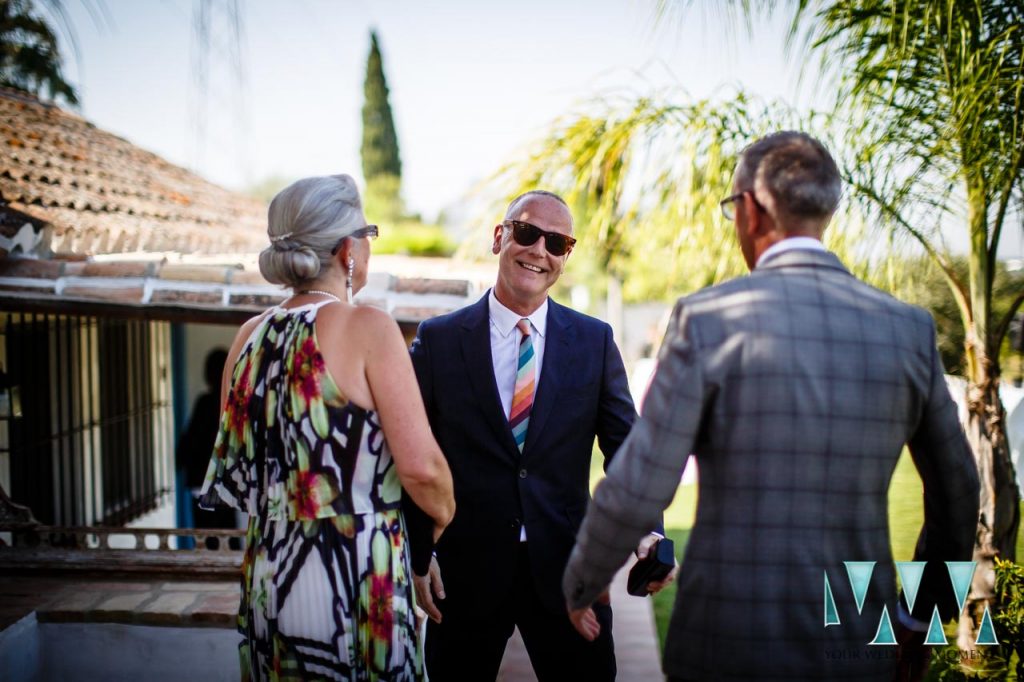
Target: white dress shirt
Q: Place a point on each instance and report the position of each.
(791, 244)
(505, 340)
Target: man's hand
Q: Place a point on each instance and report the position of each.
(647, 544)
(426, 587)
(912, 655)
(585, 620)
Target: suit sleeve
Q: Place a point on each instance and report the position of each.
(419, 525)
(616, 411)
(949, 473)
(644, 475)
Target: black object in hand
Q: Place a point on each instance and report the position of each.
(656, 566)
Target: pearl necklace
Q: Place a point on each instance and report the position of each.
(322, 293)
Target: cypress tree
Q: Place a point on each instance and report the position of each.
(381, 162)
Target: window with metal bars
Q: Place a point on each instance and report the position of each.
(93, 442)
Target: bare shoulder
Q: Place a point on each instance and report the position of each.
(245, 331)
(372, 322)
(361, 325)
(379, 334)
(360, 316)
(251, 323)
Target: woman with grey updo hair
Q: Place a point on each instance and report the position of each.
(322, 427)
(306, 221)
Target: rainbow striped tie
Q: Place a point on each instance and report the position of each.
(522, 399)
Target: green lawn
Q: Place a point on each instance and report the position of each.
(905, 517)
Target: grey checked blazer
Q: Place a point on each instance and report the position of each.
(796, 388)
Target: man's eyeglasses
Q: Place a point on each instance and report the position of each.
(525, 234)
(729, 211)
(370, 232)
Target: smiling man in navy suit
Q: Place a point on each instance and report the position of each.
(516, 388)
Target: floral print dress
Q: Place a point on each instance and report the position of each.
(326, 578)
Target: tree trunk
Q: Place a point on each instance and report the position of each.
(999, 515)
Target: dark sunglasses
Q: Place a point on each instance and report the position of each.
(526, 234)
(370, 231)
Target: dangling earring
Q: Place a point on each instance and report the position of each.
(348, 280)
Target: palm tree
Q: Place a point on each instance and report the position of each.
(30, 58)
(644, 178)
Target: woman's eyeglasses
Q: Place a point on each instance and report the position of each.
(370, 232)
(525, 234)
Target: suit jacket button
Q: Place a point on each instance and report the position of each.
(515, 523)
(522, 473)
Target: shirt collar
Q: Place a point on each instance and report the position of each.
(505, 320)
(791, 244)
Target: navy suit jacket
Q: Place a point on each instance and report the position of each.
(582, 393)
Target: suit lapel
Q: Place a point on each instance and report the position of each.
(476, 353)
(557, 357)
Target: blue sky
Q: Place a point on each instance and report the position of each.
(472, 83)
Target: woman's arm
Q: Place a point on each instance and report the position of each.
(421, 465)
(244, 332)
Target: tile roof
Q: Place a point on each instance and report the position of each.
(188, 290)
(87, 191)
(92, 224)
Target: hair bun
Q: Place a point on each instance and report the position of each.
(306, 222)
(289, 265)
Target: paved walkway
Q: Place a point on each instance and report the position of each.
(178, 603)
(215, 604)
(636, 641)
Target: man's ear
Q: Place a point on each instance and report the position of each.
(496, 246)
(758, 223)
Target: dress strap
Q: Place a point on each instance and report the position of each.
(305, 307)
(320, 304)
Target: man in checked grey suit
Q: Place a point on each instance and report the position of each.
(796, 388)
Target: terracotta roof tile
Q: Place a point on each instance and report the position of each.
(130, 269)
(190, 297)
(98, 193)
(416, 313)
(422, 285)
(128, 294)
(35, 269)
(259, 300)
(186, 288)
(196, 273)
